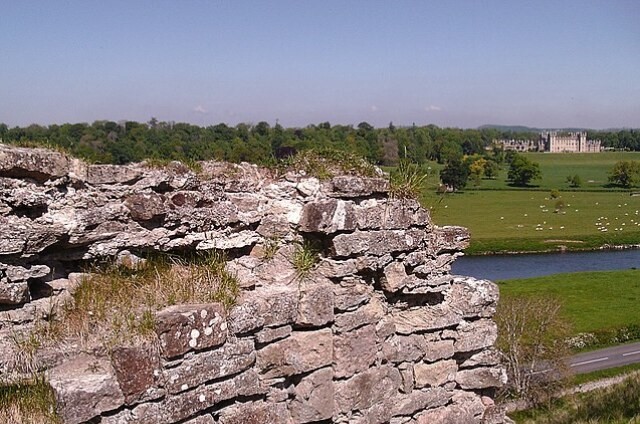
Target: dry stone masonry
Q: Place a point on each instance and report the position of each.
(378, 332)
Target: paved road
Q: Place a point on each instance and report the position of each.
(605, 358)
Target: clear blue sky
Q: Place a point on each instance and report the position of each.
(556, 63)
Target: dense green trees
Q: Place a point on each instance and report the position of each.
(127, 141)
(625, 173)
(522, 170)
(455, 174)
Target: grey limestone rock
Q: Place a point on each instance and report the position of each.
(377, 332)
(182, 328)
(85, 387)
(36, 164)
(313, 397)
(299, 353)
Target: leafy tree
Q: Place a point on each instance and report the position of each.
(625, 173)
(574, 181)
(532, 336)
(522, 171)
(455, 174)
(476, 170)
(491, 169)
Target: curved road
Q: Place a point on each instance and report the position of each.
(610, 357)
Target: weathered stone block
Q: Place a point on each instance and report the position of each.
(369, 313)
(256, 413)
(112, 174)
(301, 352)
(14, 293)
(377, 242)
(336, 269)
(34, 163)
(391, 214)
(436, 374)
(246, 316)
(396, 278)
(328, 217)
(313, 397)
(19, 273)
(85, 387)
(22, 235)
(481, 378)
(434, 267)
(268, 335)
(232, 358)
(436, 350)
(145, 206)
(182, 328)
(449, 239)
(425, 318)
(273, 226)
(137, 369)
(350, 295)
(372, 263)
(474, 298)
(315, 307)
(226, 239)
(347, 186)
(203, 419)
(187, 404)
(474, 335)
(279, 305)
(405, 348)
(366, 389)
(484, 358)
(354, 351)
(406, 372)
(421, 399)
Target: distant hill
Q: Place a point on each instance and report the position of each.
(522, 128)
(512, 128)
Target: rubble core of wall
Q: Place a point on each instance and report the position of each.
(378, 332)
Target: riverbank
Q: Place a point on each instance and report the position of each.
(569, 246)
(529, 265)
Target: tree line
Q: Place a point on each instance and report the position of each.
(130, 141)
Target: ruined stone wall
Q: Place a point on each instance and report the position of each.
(379, 331)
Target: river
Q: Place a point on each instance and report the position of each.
(505, 267)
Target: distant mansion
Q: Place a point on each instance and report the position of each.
(554, 142)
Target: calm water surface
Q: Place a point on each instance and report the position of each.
(504, 267)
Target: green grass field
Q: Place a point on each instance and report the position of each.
(508, 221)
(593, 301)
(593, 169)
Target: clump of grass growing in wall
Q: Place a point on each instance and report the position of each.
(406, 181)
(270, 248)
(161, 163)
(328, 163)
(118, 304)
(305, 257)
(26, 346)
(28, 402)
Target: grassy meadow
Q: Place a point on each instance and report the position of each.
(593, 169)
(618, 404)
(593, 301)
(508, 219)
(503, 221)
